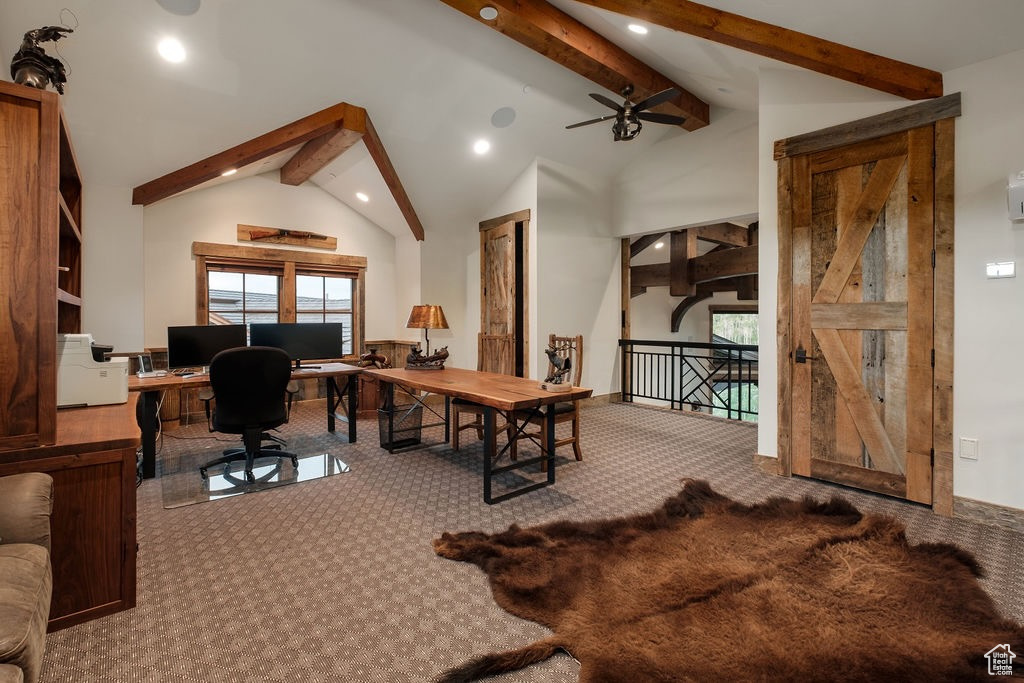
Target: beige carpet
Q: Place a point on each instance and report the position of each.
(336, 580)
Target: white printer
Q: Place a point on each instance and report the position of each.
(82, 380)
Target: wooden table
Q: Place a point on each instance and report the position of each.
(150, 387)
(496, 393)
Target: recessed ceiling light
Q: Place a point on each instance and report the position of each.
(637, 28)
(230, 171)
(488, 13)
(171, 49)
(362, 196)
(481, 146)
(659, 245)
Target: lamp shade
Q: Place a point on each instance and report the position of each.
(427, 317)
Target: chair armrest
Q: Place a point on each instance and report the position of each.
(27, 502)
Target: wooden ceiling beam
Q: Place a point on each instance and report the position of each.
(792, 47)
(323, 136)
(387, 170)
(321, 151)
(724, 233)
(551, 32)
(642, 242)
(268, 144)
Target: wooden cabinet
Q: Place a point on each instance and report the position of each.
(92, 529)
(40, 259)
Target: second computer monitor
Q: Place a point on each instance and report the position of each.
(301, 341)
(191, 346)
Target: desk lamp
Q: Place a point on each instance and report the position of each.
(426, 318)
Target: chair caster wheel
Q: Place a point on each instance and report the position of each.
(295, 462)
(202, 473)
(249, 477)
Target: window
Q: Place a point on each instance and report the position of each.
(250, 285)
(736, 387)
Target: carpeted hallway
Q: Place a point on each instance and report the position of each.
(335, 579)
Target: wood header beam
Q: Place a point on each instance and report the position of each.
(549, 31)
(724, 233)
(792, 47)
(727, 263)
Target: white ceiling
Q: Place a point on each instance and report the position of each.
(430, 78)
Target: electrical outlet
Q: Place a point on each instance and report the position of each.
(968, 448)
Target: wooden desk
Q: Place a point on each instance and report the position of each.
(497, 393)
(92, 529)
(150, 387)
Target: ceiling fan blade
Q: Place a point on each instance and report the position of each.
(660, 118)
(605, 101)
(656, 99)
(587, 123)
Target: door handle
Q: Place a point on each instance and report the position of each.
(800, 355)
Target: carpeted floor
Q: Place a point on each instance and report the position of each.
(335, 579)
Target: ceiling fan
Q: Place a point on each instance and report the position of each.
(628, 115)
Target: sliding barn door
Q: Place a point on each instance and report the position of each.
(862, 313)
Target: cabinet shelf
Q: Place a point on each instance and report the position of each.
(66, 298)
(68, 224)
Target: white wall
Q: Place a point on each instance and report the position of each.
(577, 271)
(213, 214)
(988, 376)
(691, 178)
(112, 267)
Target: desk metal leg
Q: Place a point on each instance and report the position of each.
(334, 400)
(489, 448)
(150, 399)
(549, 441)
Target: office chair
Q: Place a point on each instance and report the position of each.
(249, 386)
(570, 348)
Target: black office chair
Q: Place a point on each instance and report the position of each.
(249, 386)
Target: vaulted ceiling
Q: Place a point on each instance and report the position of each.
(432, 77)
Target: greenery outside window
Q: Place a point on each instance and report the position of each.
(243, 285)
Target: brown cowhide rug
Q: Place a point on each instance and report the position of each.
(706, 589)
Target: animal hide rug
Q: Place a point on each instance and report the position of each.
(705, 588)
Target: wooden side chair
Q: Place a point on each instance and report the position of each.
(568, 411)
(493, 354)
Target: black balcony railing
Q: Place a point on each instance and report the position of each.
(718, 378)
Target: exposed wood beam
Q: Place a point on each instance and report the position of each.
(323, 136)
(683, 248)
(268, 144)
(683, 306)
(824, 56)
(654, 275)
(317, 153)
(643, 242)
(387, 169)
(635, 291)
(723, 264)
(551, 32)
(724, 233)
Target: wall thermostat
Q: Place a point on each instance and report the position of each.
(1015, 196)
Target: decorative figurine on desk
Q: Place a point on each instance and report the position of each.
(417, 361)
(32, 66)
(374, 360)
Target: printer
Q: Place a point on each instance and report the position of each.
(84, 378)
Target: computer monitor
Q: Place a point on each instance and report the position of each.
(301, 341)
(190, 346)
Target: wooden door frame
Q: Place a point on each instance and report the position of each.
(790, 154)
(521, 219)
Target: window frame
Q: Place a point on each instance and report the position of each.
(286, 263)
(726, 308)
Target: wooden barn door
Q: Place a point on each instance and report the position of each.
(502, 345)
(862, 313)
